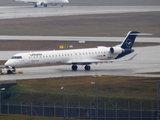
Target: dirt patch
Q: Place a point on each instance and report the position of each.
(114, 25)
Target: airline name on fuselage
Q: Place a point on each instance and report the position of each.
(39, 54)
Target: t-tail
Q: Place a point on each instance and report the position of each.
(128, 42)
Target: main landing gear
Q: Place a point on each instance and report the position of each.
(87, 68)
(61, 5)
(74, 67)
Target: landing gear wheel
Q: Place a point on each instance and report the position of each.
(35, 6)
(9, 72)
(74, 67)
(45, 5)
(87, 68)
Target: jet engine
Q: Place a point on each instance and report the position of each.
(39, 3)
(116, 50)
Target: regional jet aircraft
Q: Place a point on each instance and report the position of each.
(75, 57)
(45, 2)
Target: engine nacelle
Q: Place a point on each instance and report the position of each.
(116, 50)
(39, 3)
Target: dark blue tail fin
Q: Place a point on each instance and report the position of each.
(128, 43)
(129, 40)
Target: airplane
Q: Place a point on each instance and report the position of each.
(44, 2)
(75, 57)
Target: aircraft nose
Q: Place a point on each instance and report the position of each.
(6, 63)
(9, 63)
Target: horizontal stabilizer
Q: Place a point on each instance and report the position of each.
(141, 34)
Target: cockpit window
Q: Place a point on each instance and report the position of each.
(16, 57)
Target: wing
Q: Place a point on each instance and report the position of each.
(95, 61)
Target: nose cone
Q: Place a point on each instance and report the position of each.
(9, 63)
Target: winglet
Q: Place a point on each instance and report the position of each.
(132, 57)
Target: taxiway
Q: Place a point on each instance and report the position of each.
(147, 60)
(9, 12)
(75, 38)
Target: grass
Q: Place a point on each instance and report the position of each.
(107, 85)
(152, 73)
(119, 89)
(112, 84)
(83, 25)
(2, 62)
(27, 117)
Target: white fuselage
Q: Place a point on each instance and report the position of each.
(45, 1)
(75, 56)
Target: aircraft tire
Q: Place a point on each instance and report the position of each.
(45, 5)
(9, 72)
(35, 6)
(87, 68)
(74, 67)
